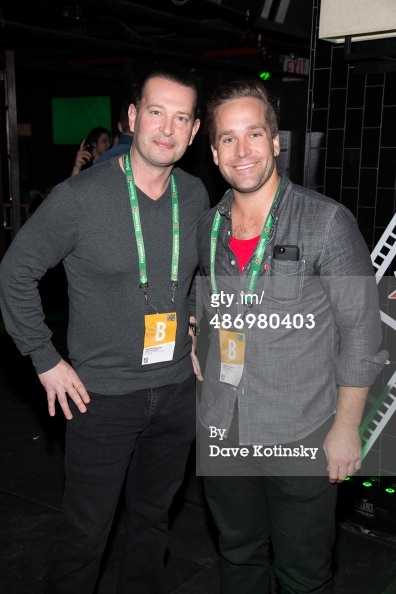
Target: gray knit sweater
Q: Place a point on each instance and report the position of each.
(86, 223)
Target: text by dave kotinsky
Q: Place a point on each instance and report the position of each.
(257, 451)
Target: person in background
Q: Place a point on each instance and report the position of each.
(126, 234)
(124, 139)
(91, 149)
(295, 332)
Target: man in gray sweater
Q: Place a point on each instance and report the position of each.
(125, 231)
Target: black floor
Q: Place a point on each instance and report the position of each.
(31, 481)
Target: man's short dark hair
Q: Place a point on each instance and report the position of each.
(239, 89)
(124, 119)
(169, 71)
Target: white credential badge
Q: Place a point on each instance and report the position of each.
(159, 337)
(232, 356)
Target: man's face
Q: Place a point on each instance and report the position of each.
(244, 149)
(163, 124)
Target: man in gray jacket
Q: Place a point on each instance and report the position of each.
(295, 328)
(126, 233)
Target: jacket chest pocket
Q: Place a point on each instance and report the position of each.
(283, 281)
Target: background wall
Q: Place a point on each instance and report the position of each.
(40, 159)
(352, 136)
(351, 156)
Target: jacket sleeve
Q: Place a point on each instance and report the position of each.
(347, 276)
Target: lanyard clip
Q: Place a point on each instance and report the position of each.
(145, 296)
(173, 285)
(247, 307)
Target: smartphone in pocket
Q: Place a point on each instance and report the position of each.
(286, 252)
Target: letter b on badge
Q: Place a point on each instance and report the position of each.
(160, 331)
(232, 350)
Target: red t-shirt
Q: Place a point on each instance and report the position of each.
(243, 249)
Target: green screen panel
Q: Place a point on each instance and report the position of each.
(74, 117)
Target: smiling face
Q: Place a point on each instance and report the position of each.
(163, 123)
(244, 149)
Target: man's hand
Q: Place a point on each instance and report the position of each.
(194, 358)
(61, 381)
(343, 451)
(342, 445)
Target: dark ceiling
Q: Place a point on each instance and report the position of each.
(105, 37)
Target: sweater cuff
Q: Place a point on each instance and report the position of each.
(45, 357)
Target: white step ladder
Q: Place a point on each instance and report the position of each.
(385, 250)
(383, 407)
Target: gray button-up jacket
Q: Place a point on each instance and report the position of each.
(314, 323)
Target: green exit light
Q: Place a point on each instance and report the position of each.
(390, 490)
(265, 75)
(367, 484)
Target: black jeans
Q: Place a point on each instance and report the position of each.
(295, 513)
(255, 503)
(143, 438)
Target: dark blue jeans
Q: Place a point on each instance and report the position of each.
(143, 439)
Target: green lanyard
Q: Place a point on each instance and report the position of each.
(143, 279)
(258, 254)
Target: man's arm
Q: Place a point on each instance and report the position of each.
(342, 445)
(347, 277)
(40, 244)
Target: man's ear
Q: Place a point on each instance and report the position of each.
(276, 143)
(132, 116)
(215, 154)
(194, 130)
